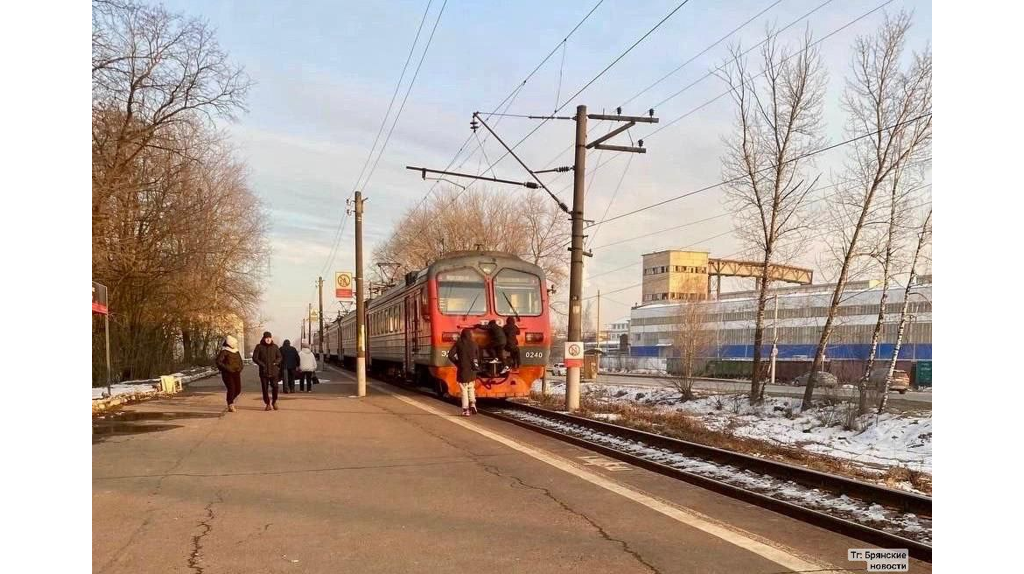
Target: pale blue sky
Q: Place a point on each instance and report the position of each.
(325, 71)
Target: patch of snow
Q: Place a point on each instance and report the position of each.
(148, 386)
(874, 441)
(863, 511)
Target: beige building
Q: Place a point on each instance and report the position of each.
(675, 276)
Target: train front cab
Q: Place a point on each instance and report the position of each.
(469, 292)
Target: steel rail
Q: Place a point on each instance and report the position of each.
(906, 501)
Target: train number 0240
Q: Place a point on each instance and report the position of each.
(533, 354)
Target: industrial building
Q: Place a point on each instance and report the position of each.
(795, 313)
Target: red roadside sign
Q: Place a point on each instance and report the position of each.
(99, 298)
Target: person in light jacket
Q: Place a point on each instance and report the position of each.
(229, 362)
(307, 365)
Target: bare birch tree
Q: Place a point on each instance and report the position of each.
(902, 186)
(778, 122)
(923, 237)
(893, 105)
(692, 342)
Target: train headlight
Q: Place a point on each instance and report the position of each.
(535, 337)
(450, 336)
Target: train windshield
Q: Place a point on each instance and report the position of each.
(461, 292)
(517, 293)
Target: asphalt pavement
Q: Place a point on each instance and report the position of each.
(397, 482)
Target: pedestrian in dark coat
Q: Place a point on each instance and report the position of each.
(229, 362)
(268, 356)
(463, 355)
(512, 341)
(289, 366)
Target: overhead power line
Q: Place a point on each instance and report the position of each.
(742, 177)
(510, 98)
(582, 89)
(698, 242)
(380, 130)
(725, 93)
(701, 53)
(725, 214)
(408, 90)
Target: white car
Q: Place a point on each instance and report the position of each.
(558, 369)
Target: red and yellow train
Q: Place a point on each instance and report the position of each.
(410, 328)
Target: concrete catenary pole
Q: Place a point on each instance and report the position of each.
(320, 289)
(309, 326)
(572, 377)
(360, 314)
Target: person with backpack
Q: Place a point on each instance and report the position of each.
(289, 366)
(463, 355)
(307, 367)
(229, 362)
(512, 337)
(268, 357)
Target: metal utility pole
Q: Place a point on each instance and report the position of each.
(320, 289)
(302, 332)
(360, 305)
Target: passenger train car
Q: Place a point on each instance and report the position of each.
(410, 328)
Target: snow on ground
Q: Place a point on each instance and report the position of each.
(149, 386)
(860, 510)
(874, 441)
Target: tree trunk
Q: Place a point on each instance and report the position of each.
(922, 239)
(762, 301)
(865, 381)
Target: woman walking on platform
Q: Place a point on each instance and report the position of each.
(307, 365)
(229, 362)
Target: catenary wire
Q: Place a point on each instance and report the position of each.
(380, 130)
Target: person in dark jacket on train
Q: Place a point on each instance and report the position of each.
(229, 362)
(268, 356)
(512, 345)
(463, 355)
(496, 344)
(289, 366)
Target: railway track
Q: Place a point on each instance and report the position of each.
(885, 517)
(882, 516)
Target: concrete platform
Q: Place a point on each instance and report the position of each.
(396, 482)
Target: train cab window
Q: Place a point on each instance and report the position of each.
(517, 293)
(461, 292)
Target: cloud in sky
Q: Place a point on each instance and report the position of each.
(325, 73)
